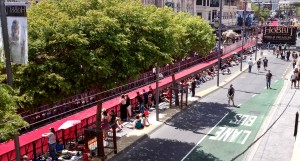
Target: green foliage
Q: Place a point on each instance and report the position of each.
(10, 121)
(263, 14)
(76, 45)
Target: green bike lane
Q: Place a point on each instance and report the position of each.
(231, 137)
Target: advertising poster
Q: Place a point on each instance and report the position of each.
(279, 35)
(17, 32)
(248, 17)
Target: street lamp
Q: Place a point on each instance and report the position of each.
(257, 25)
(243, 34)
(219, 43)
(8, 64)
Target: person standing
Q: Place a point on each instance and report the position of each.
(51, 142)
(230, 95)
(145, 95)
(193, 84)
(250, 63)
(123, 108)
(265, 61)
(268, 79)
(128, 107)
(288, 54)
(258, 65)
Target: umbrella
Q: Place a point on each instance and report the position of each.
(69, 124)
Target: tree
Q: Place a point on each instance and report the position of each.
(10, 121)
(77, 45)
(263, 14)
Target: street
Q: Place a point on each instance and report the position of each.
(209, 129)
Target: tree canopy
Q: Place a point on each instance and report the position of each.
(263, 14)
(76, 45)
(10, 120)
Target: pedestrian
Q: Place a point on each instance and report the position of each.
(123, 108)
(294, 63)
(268, 79)
(250, 63)
(51, 142)
(265, 61)
(288, 54)
(193, 84)
(258, 64)
(128, 107)
(145, 95)
(230, 95)
(294, 79)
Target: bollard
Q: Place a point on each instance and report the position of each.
(296, 124)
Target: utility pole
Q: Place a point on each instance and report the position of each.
(157, 92)
(220, 43)
(243, 34)
(257, 27)
(8, 65)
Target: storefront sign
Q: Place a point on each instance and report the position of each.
(279, 35)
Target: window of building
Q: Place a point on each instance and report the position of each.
(226, 2)
(214, 14)
(199, 14)
(207, 2)
(199, 2)
(204, 2)
(209, 15)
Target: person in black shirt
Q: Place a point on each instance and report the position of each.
(230, 95)
(265, 62)
(268, 79)
(193, 85)
(145, 95)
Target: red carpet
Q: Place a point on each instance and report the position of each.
(274, 23)
(36, 134)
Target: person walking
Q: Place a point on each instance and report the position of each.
(51, 142)
(250, 63)
(268, 79)
(265, 61)
(258, 65)
(230, 95)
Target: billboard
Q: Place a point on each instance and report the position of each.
(248, 17)
(279, 35)
(17, 32)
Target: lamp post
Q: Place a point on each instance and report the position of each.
(219, 43)
(258, 15)
(8, 64)
(243, 34)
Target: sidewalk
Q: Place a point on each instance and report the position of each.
(275, 140)
(129, 137)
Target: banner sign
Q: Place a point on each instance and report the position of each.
(17, 31)
(279, 35)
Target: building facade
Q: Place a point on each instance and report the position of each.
(207, 9)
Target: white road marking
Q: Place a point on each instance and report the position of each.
(254, 95)
(239, 105)
(203, 138)
(265, 88)
(275, 81)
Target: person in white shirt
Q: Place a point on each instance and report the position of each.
(51, 142)
(250, 63)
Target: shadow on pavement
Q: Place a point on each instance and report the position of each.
(170, 150)
(200, 116)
